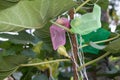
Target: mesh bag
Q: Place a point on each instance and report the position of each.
(58, 36)
(100, 34)
(87, 22)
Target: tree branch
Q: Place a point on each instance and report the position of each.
(74, 56)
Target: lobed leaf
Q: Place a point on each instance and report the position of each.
(114, 46)
(31, 13)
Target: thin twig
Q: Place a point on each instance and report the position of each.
(47, 62)
(61, 26)
(107, 40)
(93, 61)
(77, 9)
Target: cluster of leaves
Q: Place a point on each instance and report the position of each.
(23, 48)
(26, 48)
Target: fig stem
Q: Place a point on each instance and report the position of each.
(77, 9)
(61, 26)
(107, 40)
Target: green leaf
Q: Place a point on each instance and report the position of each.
(53, 67)
(114, 46)
(28, 53)
(118, 28)
(44, 36)
(32, 13)
(5, 4)
(9, 51)
(105, 25)
(22, 38)
(42, 67)
(5, 74)
(13, 0)
(9, 48)
(5, 44)
(9, 64)
(103, 4)
(28, 72)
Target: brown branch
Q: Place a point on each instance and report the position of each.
(74, 46)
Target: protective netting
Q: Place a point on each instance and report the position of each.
(58, 34)
(98, 35)
(87, 22)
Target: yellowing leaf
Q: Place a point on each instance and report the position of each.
(42, 67)
(37, 47)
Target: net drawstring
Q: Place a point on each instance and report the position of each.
(81, 57)
(73, 59)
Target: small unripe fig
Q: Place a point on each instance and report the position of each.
(62, 51)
